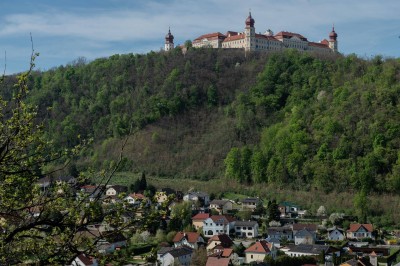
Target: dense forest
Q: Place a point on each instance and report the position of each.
(302, 120)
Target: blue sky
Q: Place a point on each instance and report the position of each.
(64, 30)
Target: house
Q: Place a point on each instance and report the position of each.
(248, 229)
(91, 192)
(134, 198)
(111, 241)
(190, 239)
(288, 209)
(161, 196)
(299, 226)
(250, 203)
(305, 236)
(197, 220)
(360, 231)
(374, 254)
(222, 240)
(222, 206)
(280, 233)
(175, 256)
(84, 260)
(357, 262)
(310, 250)
(258, 251)
(218, 224)
(336, 234)
(218, 261)
(201, 197)
(115, 190)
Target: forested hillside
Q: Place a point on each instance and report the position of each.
(295, 119)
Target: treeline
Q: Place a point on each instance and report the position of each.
(330, 124)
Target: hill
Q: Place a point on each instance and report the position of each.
(291, 119)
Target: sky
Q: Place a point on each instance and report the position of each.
(65, 30)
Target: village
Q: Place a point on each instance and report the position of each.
(168, 227)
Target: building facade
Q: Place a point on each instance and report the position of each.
(249, 40)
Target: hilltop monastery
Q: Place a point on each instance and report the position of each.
(251, 41)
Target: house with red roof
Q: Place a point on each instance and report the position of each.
(360, 231)
(190, 239)
(222, 241)
(84, 260)
(197, 220)
(258, 251)
(218, 224)
(218, 261)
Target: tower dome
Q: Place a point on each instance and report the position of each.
(249, 21)
(169, 37)
(333, 35)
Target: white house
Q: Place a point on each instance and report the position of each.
(222, 206)
(247, 229)
(190, 239)
(175, 256)
(336, 234)
(114, 190)
(83, 260)
(280, 233)
(218, 224)
(258, 251)
(360, 231)
(197, 196)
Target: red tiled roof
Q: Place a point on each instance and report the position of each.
(190, 236)
(85, 260)
(225, 240)
(286, 34)
(259, 247)
(231, 33)
(325, 41)
(137, 196)
(356, 227)
(214, 35)
(227, 252)
(234, 37)
(317, 44)
(201, 216)
(216, 261)
(271, 38)
(225, 218)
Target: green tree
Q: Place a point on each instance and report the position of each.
(40, 227)
(273, 211)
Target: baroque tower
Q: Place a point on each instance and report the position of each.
(250, 33)
(333, 44)
(169, 41)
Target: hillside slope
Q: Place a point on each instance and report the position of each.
(329, 122)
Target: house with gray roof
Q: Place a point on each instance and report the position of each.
(280, 233)
(248, 229)
(175, 256)
(222, 206)
(305, 236)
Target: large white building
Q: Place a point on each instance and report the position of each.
(251, 41)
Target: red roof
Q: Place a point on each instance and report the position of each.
(286, 34)
(214, 35)
(227, 252)
(190, 236)
(260, 247)
(317, 44)
(201, 216)
(356, 227)
(224, 218)
(216, 261)
(137, 196)
(234, 37)
(225, 240)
